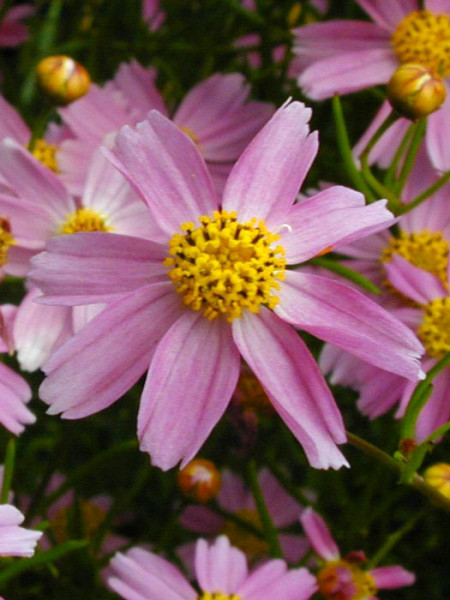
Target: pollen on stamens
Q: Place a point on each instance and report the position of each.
(434, 331)
(85, 219)
(46, 154)
(423, 37)
(222, 266)
(6, 240)
(217, 596)
(345, 580)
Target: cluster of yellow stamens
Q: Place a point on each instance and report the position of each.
(217, 596)
(251, 544)
(424, 38)
(223, 267)
(46, 154)
(85, 219)
(345, 580)
(6, 240)
(434, 331)
(425, 249)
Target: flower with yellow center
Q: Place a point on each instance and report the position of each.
(46, 154)
(6, 240)
(345, 580)
(85, 219)
(434, 332)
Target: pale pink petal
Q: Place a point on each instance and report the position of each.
(176, 417)
(165, 167)
(436, 411)
(380, 393)
(233, 495)
(345, 317)
(390, 578)
(293, 382)
(12, 125)
(438, 136)
(438, 6)
(294, 547)
(266, 179)
(107, 357)
(137, 84)
(31, 225)
(269, 582)
(282, 507)
(15, 393)
(328, 220)
(319, 535)
(368, 248)
(388, 14)
(417, 284)
(201, 519)
(219, 566)
(96, 267)
(15, 540)
(347, 72)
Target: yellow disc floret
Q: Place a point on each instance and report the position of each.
(6, 240)
(46, 154)
(434, 332)
(217, 596)
(345, 580)
(85, 219)
(223, 266)
(424, 37)
(425, 249)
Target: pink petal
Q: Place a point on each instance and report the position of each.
(345, 317)
(12, 125)
(15, 540)
(166, 169)
(137, 84)
(417, 284)
(319, 535)
(233, 494)
(15, 393)
(296, 584)
(31, 225)
(333, 217)
(282, 507)
(89, 268)
(201, 519)
(109, 355)
(266, 179)
(347, 72)
(388, 14)
(438, 6)
(176, 417)
(436, 411)
(220, 566)
(293, 382)
(390, 578)
(380, 393)
(438, 136)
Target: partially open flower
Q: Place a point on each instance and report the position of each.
(415, 91)
(200, 480)
(438, 476)
(62, 78)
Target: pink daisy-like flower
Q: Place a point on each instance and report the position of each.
(15, 540)
(222, 574)
(343, 578)
(217, 288)
(235, 498)
(345, 56)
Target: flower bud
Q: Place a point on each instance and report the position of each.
(62, 79)
(438, 476)
(199, 480)
(415, 91)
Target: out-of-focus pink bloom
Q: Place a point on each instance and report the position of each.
(15, 540)
(216, 114)
(12, 31)
(235, 498)
(345, 56)
(221, 570)
(167, 321)
(344, 577)
(152, 14)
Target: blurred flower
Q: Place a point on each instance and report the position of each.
(12, 31)
(62, 79)
(152, 14)
(199, 480)
(222, 574)
(15, 540)
(343, 578)
(215, 286)
(438, 476)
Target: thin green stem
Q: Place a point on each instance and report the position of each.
(390, 120)
(269, 529)
(392, 169)
(405, 208)
(411, 154)
(8, 470)
(380, 189)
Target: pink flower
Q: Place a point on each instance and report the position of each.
(12, 31)
(152, 14)
(344, 578)
(15, 540)
(217, 288)
(345, 56)
(221, 570)
(235, 498)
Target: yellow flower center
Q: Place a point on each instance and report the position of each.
(6, 240)
(426, 250)
(85, 219)
(223, 267)
(424, 37)
(46, 154)
(217, 596)
(91, 516)
(434, 332)
(344, 580)
(252, 545)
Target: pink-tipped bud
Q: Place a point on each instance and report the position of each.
(199, 480)
(62, 79)
(415, 91)
(438, 476)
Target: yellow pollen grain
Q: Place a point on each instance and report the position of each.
(217, 596)
(425, 249)
(6, 240)
(84, 219)
(424, 37)
(46, 154)
(434, 331)
(223, 266)
(334, 586)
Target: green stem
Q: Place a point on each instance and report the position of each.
(8, 470)
(346, 272)
(346, 151)
(392, 169)
(390, 119)
(381, 190)
(410, 158)
(425, 194)
(269, 529)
